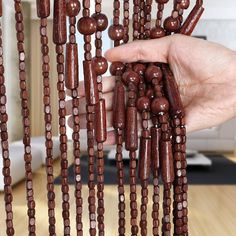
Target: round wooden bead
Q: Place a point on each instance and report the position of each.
(116, 32)
(153, 72)
(162, 1)
(101, 20)
(117, 68)
(157, 32)
(100, 65)
(143, 104)
(139, 68)
(130, 77)
(159, 105)
(72, 8)
(171, 24)
(184, 4)
(87, 25)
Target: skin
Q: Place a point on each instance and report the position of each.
(205, 73)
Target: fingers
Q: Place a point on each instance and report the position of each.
(108, 84)
(142, 50)
(82, 104)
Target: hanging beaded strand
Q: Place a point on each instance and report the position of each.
(72, 84)
(8, 197)
(25, 118)
(116, 33)
(147, 18)
(87, 27)
(43, 11)
(59, 39)
(100, 66)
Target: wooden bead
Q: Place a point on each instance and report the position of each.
(87, 25)
(192, 20)
(59, 22)
(100, 121)
(157, 32)
(155, 140)
(139, 68)
(172, 92)
(116, 32)
(117, 68)
(167, 164)
(159, 105)
(0, 8)
(144, 158)
(101, 21)
(43, 8)
(90, 83)
(131, 77)
(184, 4)
(72, 8)
(100, 65)
(153, 72)
(171, 24)
(71, 67)
(143, 104)
(119, 106)
(131, 131)
(162, 1)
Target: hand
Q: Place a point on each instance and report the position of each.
(205, 73)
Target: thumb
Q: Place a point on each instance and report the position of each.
(154, 50)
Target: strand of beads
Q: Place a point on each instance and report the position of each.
(100, 67)
(118, 32)
(87, 27)
(25, 117)
(147, 18)
(8, 197)
(59, 39)
(43, 11)
(72, 83)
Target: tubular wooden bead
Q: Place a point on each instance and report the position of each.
(144, 158)
(90, 83)
(171, 90)
(43, 8)
(192, 20)
(71, 67)
(167, 164)
(119, 106)
(0, 8)
(155, 149)
(100, 121)
(59, 22)
(131, 132)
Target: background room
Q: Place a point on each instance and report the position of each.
(211, 152)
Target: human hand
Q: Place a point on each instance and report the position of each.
(205, 73)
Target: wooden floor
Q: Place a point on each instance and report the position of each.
(212, 209)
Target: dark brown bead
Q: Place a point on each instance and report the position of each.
(139, 68)
(43, 8)
(59, 22)
(100, 65)
(160, 105)
(90, 83)
(100, 121)
(116, 32)
(71, 67)
(184, 4)
(171, 24)
(117, 68)
(153, 72)
(155, 150)
(131, 131)
(119, 106)
(143, 104)
(157, 32)
(131, 77)
(87, 25)
(101, 20)
(162, 1)
(144, 158)
(167, 164)
(72, 8)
